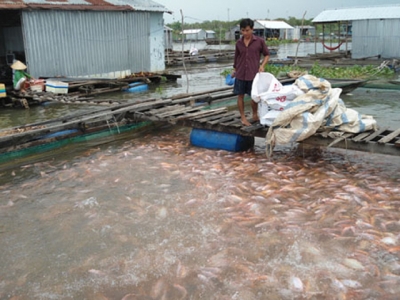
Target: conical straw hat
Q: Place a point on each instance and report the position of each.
(18, 66)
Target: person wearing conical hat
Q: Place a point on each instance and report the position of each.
(20, 77)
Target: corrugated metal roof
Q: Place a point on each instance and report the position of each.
(104, 5)
(358, 13)
(191, 31)
(272, 24)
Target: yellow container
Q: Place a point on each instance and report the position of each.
(2, 90)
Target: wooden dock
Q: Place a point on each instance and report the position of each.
(82, 90)
(212, 110)
(383, 141)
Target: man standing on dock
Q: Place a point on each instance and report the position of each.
(246, 64)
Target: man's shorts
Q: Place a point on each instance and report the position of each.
(242, 87)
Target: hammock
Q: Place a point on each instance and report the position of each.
(332, 48)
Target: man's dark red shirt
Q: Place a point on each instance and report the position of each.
(247, 59)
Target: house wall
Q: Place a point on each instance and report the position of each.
(233, 34)
(201, 35)
(168, 39)
(157, 50)
(210, 35)
(376, 37)
(91, 43)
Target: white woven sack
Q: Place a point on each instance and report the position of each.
(269, 117)
(298, 122)
(263, 83)
(354, 122)
(279, 100)
(263, 109)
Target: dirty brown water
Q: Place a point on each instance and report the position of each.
(155, 218)
(148, 216)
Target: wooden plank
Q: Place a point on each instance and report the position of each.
(151, 105)
(341, 138)
(225, 118)
(193, 99)
(389, 137)
(200, 93)
(163, 109)
(217, 118)
(211, 112)
(75, 115)
(208, 118)
(348, 144)
(172, 113)
(253, 127)
(25, 136)
(375, 134)
(361, 136)
(193, 117)
(234, 123)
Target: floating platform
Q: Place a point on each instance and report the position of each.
(211, 113)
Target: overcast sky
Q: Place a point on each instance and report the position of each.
(224, 10)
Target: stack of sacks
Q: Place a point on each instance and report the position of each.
(272, 97)
(319, 108)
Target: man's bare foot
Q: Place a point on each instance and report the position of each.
(256, 119)
(245, 122)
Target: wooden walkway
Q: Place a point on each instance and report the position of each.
(215, 110)
(383, 141)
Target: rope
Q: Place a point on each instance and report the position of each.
(332, 48)
(269, 142)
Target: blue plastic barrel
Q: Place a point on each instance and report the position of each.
(211, 139)
(137, 87)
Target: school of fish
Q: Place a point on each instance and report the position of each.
(156, 218)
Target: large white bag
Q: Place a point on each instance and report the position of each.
(319, 108)
(264, 83)
(271, 96)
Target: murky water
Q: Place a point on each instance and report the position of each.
(148, 216)
(154, 218)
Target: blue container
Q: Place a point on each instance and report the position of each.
(220, 140)
(136, 87)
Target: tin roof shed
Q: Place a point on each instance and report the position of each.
(107, 5)
(272, 29)
(194, 34)
(360, 13)
(374, 30)
(258, 24)
(97, 38)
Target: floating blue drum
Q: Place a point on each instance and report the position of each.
(136, 87)
(220, 140)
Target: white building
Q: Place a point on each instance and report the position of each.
(168, 38)
(194, 34)
(374, 30)
(272, 29)
(210, 34)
